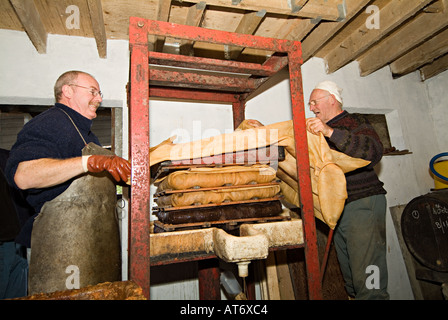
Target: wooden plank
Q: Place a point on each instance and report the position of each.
(284, 276)
(361, 39)
(423, 54)
(406, 38)
(99, 31)
(117, 13)
(66, 17)
(163, 13)
(194, 18)
(326, 30)
(322, 9)
(248, 25)
(437, 66)
(8, 17)
(272, 277)
(29, 16)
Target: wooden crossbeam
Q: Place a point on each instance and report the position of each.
(326, 30)
(437, 66)
(414, 33)
(247, 25)
(194, 18)
(362, 38)
(99, 31)
(425, 53)
(30, 18)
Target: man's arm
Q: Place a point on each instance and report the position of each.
(44, 173)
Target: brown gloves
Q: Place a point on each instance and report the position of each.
(118, 167)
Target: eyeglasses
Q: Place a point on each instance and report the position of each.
(314, 102)
(92, 91)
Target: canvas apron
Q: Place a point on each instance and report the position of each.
(75, 239)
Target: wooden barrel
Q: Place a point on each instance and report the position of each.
(424, 225)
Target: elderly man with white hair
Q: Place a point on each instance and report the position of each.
(360, 236)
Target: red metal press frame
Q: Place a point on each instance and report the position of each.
(212, 87)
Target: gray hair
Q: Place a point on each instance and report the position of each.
(66, 78)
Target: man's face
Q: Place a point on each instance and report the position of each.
(86, 96)
(322, 104)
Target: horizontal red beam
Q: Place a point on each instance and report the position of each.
(175, 60)
(190, 94)
(201, 81)
(168, 29)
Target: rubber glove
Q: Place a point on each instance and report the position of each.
(118, 167)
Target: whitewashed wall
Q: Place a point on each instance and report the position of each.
(416, 110)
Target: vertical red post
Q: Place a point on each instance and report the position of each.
(209, 279)
(238, 108)
(139, 223)
(303, 173)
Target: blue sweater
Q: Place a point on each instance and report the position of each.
(51, 134)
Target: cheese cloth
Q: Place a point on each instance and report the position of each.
(217, 196)
(327, 166)
(216, 177)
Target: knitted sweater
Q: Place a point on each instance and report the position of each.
(355, 136)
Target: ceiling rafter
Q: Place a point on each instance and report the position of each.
(421, 55)
(194, 18)
(99, 31)
(391, 15)
(415, 32)
(30, 18)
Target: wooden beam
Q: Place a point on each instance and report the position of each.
(326, 30)
(300, 28)
(315, 9)
(163, 14)
(437, 66)
(99, 31)
(406, 38)
(425, 53)
(391, 15)
(247, 25)
(30, 18)
(194, 18)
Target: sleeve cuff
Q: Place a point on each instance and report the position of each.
(84, 163)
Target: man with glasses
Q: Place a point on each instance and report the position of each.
(49, 154)
(360, 236)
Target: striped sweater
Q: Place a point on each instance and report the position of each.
(355, 136)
